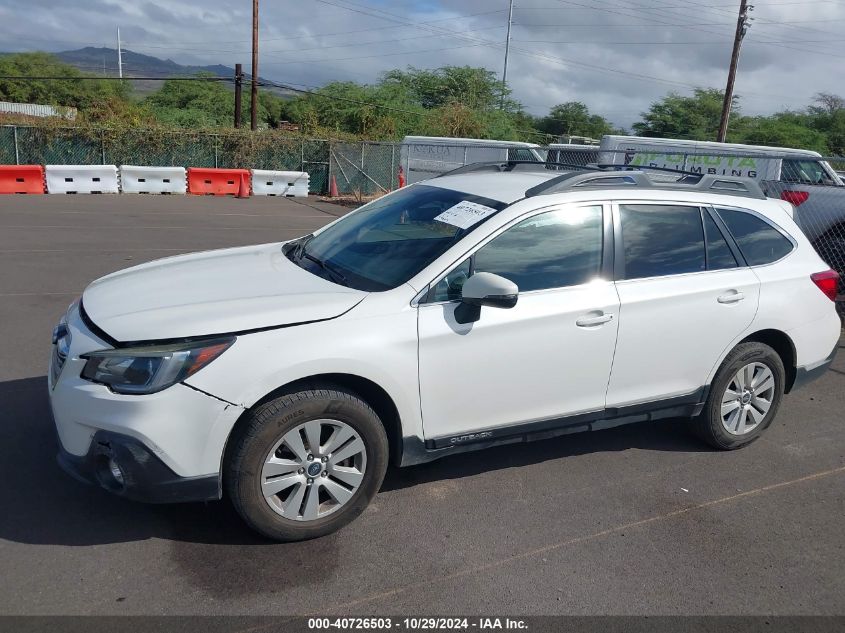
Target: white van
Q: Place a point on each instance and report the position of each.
(425, 157)
(722, 159)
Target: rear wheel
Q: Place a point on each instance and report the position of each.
(744, 397)
(306, 464)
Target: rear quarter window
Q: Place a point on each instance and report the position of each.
(759, 242)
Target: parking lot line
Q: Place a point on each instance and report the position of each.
(581, 539)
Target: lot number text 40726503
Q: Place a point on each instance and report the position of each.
(417, 624)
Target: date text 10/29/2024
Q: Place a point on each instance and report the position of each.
(417, 624)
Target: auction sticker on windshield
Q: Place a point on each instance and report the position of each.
(465, 214)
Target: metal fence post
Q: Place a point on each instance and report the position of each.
(17, 149)
(216, 139)
(330, 167)
(392, 163)
(302, 155)
(103, 147)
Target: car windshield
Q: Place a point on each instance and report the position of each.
(388, 241)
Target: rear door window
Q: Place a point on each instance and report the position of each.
(759, 242)
(661, 240)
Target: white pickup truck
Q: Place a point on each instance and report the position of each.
(424, 157)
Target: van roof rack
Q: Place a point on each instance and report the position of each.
(514, 165)
(609, 175)
(726, 185)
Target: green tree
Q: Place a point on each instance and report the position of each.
(695, 117)
(476, 88)
(272, 106)
(828, 117)
(201, 103)
(71, 91)
(207, 102)
(449, 101)
(784, 129)
(574, 118)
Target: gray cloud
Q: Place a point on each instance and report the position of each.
(617, 56)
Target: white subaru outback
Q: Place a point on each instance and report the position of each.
(497, 304)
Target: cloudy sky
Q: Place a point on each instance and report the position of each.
(615, 55)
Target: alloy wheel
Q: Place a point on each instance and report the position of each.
(747, 398)
(314, 470)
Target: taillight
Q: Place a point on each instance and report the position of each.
(796, 198)
(827, 282)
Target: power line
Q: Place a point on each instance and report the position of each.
(694, 27)
(299, 37)
(616, 43)
(398, 53)
(87, 78)
(536, 55)
(264, 53)
(372, 12)
(757, 40)
(317, 35)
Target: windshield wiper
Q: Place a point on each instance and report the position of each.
(338, 276)
(299, 248)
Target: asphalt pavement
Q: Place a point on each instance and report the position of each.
(636, 520)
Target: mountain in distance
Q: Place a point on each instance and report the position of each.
(103, 61)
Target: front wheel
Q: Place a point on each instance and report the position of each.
(306, 464)
(744, 397)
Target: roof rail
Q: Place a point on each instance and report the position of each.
(726, 185)
(513, 165)
(598, 178)
(617, 167)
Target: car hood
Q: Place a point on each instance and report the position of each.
(212, 292)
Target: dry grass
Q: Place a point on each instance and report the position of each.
(352, 200)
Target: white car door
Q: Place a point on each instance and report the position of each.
(548, 357)
(685, 296)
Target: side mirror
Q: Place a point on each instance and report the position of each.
(485, 289)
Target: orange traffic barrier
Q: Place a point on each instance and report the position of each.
(21, 179)
(216, 182)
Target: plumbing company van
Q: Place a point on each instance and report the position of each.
(425, 157)
(721, 159)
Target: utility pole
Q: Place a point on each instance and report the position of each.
(507, 50)
(253, 116)
(119, 56)
(239, 83)
(742, 24)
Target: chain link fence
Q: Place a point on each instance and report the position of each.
(21, 145)
(364, 169)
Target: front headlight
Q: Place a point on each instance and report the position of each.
(142, 370)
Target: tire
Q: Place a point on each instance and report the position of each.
(266, 455)
(732, 430)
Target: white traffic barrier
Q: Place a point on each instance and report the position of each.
(279, 183)
(81, 178)
(134, 179)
